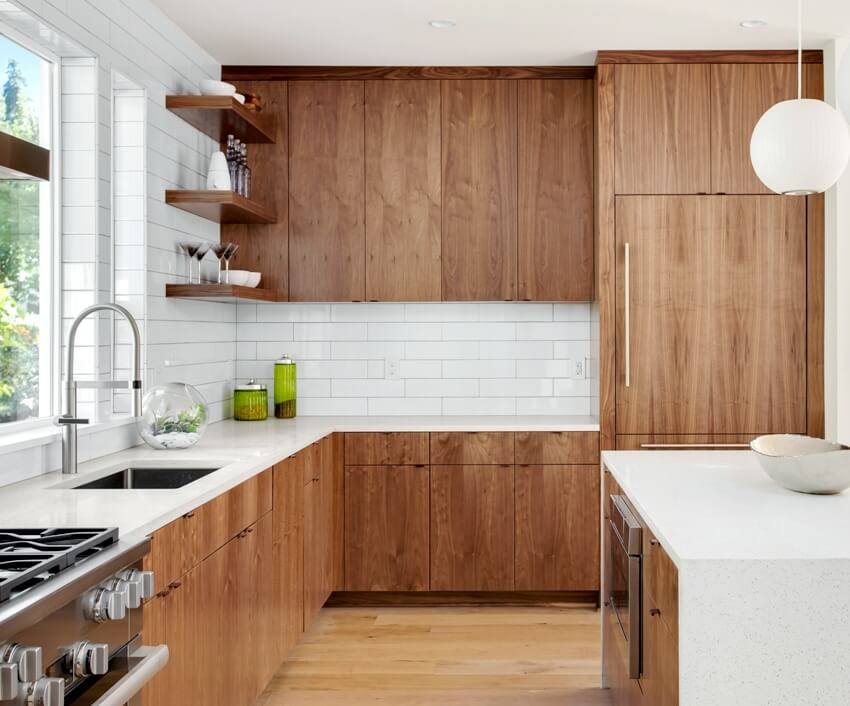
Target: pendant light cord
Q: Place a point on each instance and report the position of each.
(799, 49)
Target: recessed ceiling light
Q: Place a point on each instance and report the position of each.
(753, 24)
(442, 24)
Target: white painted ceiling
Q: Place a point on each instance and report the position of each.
(489, 32)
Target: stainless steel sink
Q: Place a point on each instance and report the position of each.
(146, 479)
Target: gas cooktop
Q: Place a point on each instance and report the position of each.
(28, 557)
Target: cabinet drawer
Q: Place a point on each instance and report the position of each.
(386, 449)
(482, 448)
(169, 557)
(557, 447)
(213, 524)
(661, 582)
(309, 460)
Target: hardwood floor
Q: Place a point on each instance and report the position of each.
(444, 656)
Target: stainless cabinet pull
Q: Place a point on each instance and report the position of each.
(627, 317)
(695, 446)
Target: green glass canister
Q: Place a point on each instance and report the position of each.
(250, 402)
(284, 388)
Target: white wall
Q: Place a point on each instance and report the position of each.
(454, 358)
(837, 304)
(193, 341)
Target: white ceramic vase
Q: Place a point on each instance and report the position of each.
(218, 177)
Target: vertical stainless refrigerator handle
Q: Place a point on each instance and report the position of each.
(627, 318)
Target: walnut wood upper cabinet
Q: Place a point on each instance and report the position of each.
(479, 170)
(472, 528)
(740, 94)
(661, 125)
(555, 186)
(716, 303)
(403, 221)
(326, 186)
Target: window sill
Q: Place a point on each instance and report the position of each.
(45, 432)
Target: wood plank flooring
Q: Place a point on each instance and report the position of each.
(444, 656)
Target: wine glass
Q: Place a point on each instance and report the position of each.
(199, 255)
(229, 252)
(191, 248)
(218, 250)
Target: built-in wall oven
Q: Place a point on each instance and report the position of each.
(622, 587)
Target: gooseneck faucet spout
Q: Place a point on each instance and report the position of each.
(69, 420)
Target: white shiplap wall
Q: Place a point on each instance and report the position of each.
(453, 358)
(135, 39)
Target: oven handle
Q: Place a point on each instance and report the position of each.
(153, 659)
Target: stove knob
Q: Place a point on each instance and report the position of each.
(47, 691)
(8, 681)
(102, 604)
(129, 588)
(144, 579)
(90, 659)
(29, 662)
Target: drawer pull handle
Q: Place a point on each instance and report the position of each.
(654, 542)
(654, 611)
(189, 515)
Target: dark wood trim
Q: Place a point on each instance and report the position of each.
(332, 73)
(20, 159)
(219, 206)
(463, 598)
(220, 116)
(764, 56)
(605, 240)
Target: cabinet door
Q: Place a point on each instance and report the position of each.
(479, 134)
(758, 343)
(326, 188)
(717, 306)
(740, 94)
(266, 617)
(472, 528)
(669, 301)
(386, 528)
(662, 131)
(313, 566)
(555, 182)
(403, 190)
(557, 528)
(155, 632)
(288, 553)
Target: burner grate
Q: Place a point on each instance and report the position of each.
(29, 557)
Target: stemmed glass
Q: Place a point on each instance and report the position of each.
(218, 250)
(191, 249)
(201, 252)
(229, 252)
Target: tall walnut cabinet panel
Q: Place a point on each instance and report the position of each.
(423, 189)
(709, 326)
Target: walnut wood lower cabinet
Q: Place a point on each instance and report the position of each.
(658, 684)
(557, 528)
(472, 528)
(386, 528)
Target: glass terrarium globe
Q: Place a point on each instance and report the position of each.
(174, 416)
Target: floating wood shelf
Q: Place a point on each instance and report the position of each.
(220, 116)
(223, 291)
(219, 206)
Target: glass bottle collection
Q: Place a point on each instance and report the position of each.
(237, 164)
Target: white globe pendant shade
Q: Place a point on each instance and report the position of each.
(800, 147)
(844, 85)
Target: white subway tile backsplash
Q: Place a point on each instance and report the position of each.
(445, 311)
(369, 311)
(366, 350)
(479, 368)
(332, 369)
(441, 388)
(401, 406)
(479, 405)
(421, 368)
(516, 387)
(553, 405)
(367, 388)
(422, 331)
(332, 406)
(542, 368)
(555, 331)
(297, 350)
(490, 331)
(442, 350)
(330, 332)
(516, 349)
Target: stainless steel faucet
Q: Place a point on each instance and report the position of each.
(69, 420)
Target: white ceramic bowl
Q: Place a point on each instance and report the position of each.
(244, 278)
(804, 464)
(216, 88)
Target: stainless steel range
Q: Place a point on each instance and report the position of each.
(70, 618)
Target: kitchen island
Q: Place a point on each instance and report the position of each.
(762, 577)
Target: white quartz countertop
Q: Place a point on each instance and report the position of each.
(241, 449)
(720, 505)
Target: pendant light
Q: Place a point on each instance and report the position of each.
(800, 146)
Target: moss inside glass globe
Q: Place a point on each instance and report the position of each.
(174, 416)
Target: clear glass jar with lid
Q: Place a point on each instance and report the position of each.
(285, 384)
